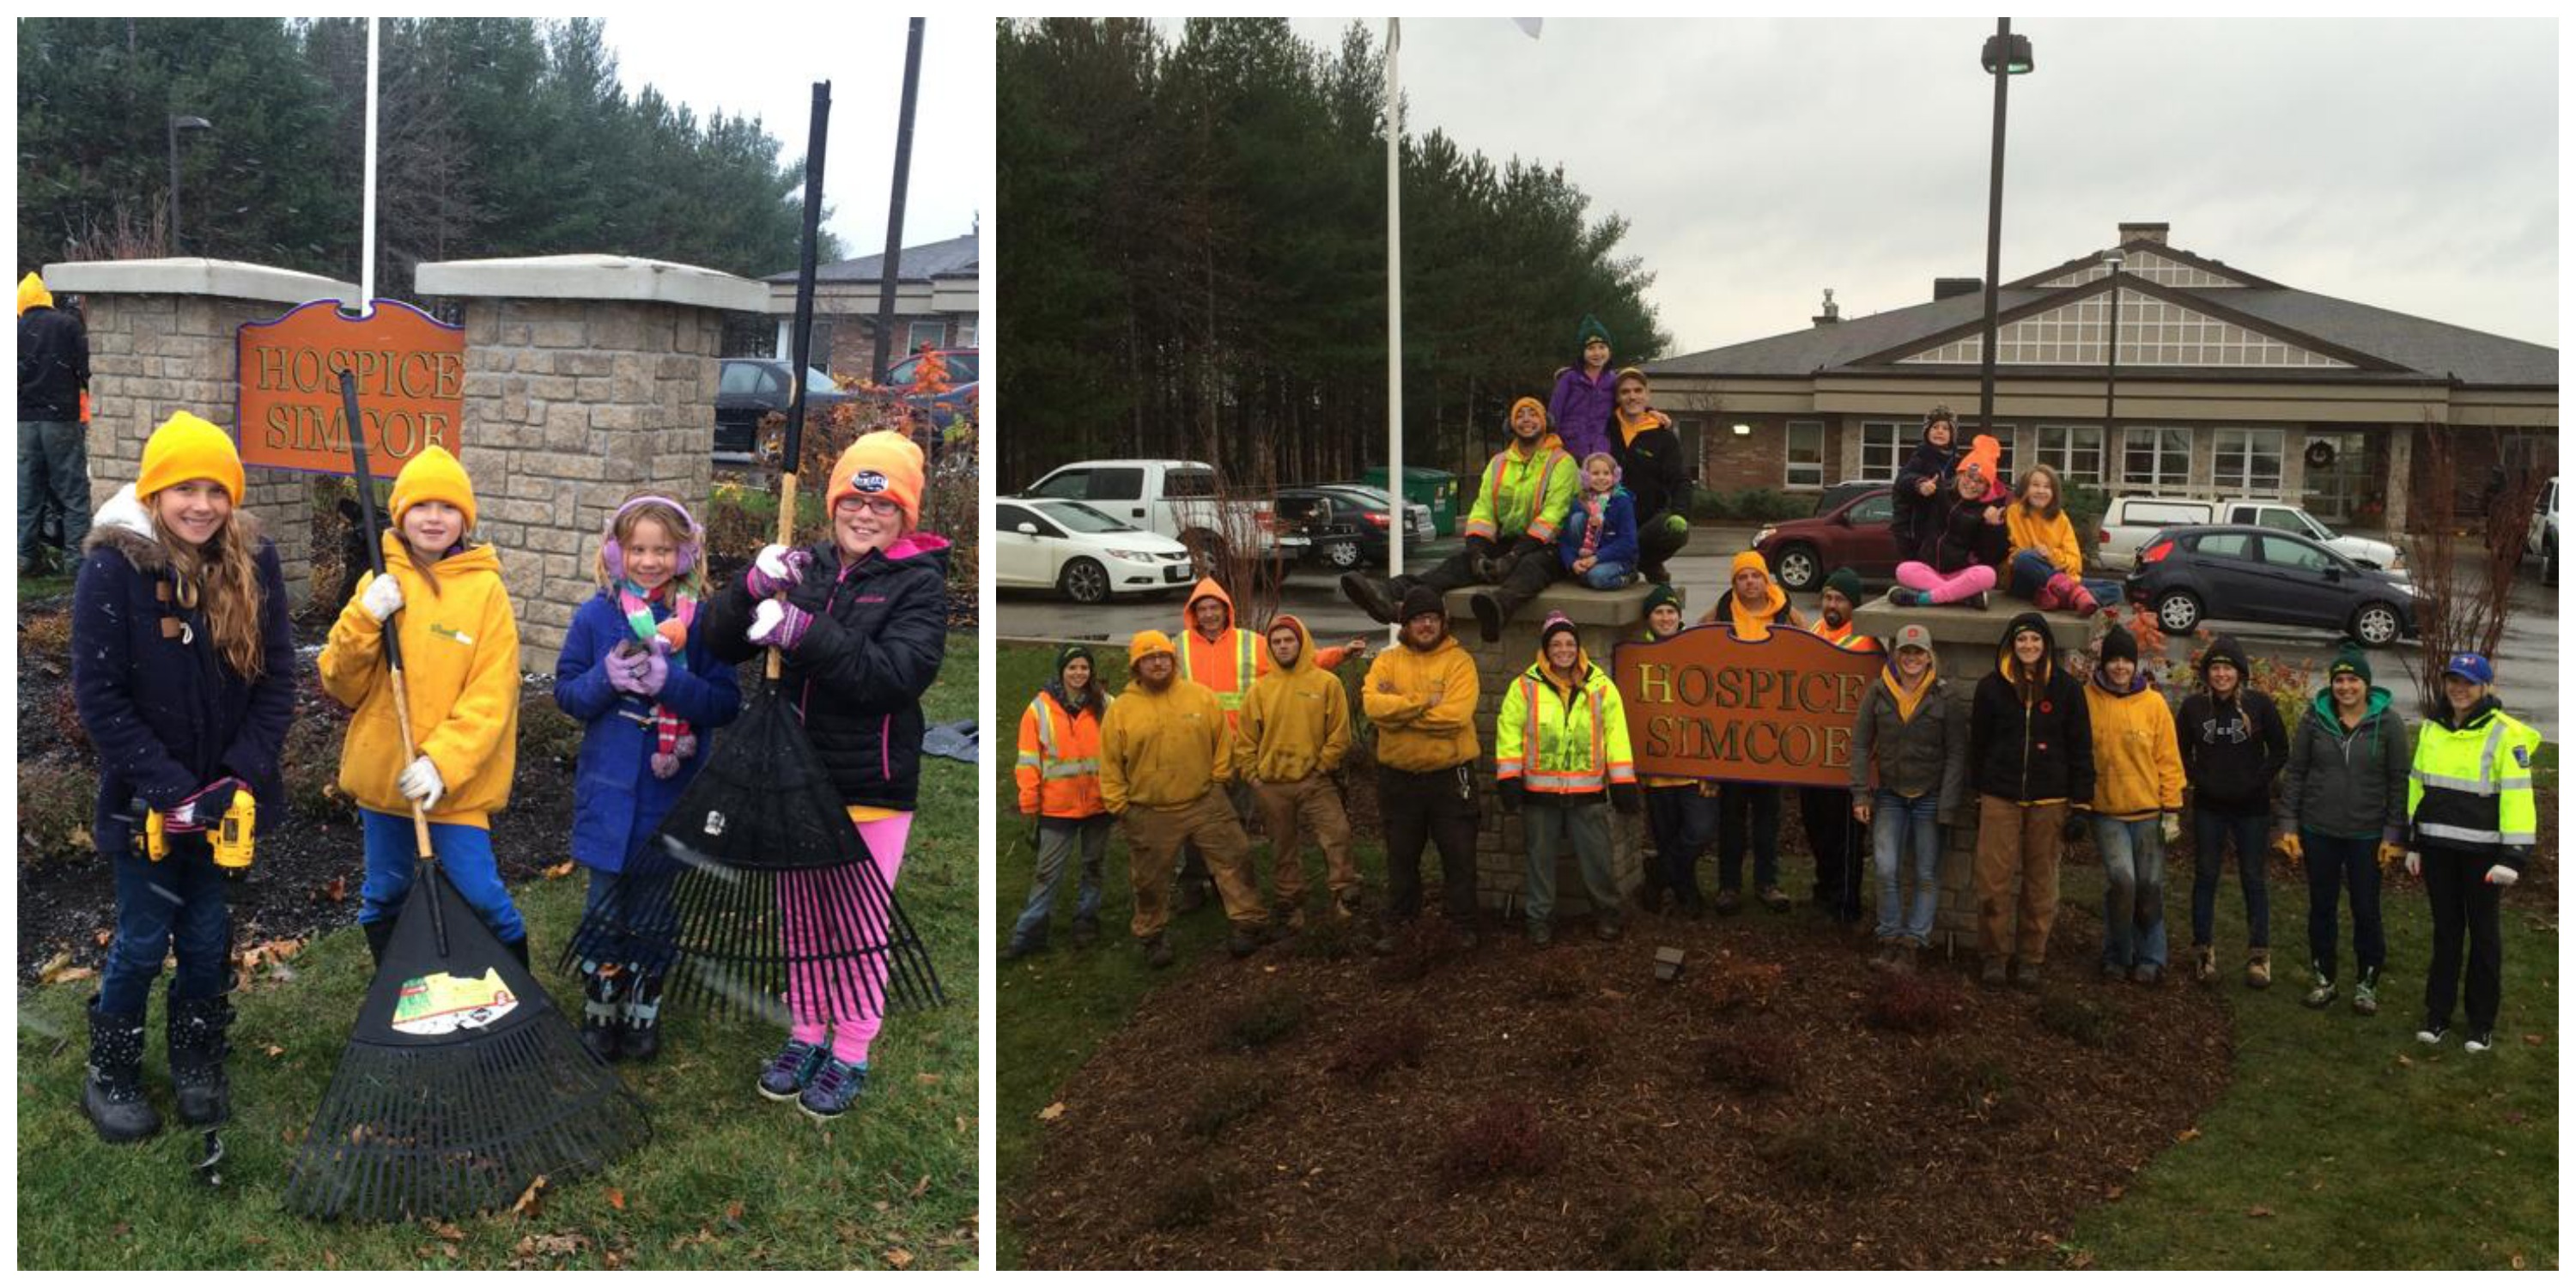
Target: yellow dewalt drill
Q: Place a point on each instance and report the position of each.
(230, 837)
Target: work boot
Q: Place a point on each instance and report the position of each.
(1376, 598)
(601, 983)
(1192, 896)
(1541, 934)
(2204, 963)
(1991, 975)
(1775, 898)
(197, 1051)
(1158, 952)
(379, 934)
(2258, 968)
(643, 1013)
(1728, 901)
(113, 1096)
(518, 950)
(2365, 992)
(2026, 975)
(1489, 615)
(1241, 943)
(2323, 995)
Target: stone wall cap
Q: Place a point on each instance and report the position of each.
(1582, 606)
(1962, 627)
(190, 275)
(591, 277)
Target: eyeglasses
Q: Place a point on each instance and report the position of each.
(882, 507)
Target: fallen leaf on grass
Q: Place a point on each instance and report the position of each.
(1051, 1112)
(530, 1198)
(2533, 1039)
(2112, 1195)
(926, 1079)
(563, 869)
(79, 840)
(692, 1240)
(276, 1051)
(446, 1232)
(733, 1212)
(330, 1259)
(2188, 1133)
(901, 1260)
(2517, 1261)
(2405, 1062)
(103, 936)
(921, 1186)
(335, 890)
(550, 1245)
(69, 975)
(617, 1199)
(2258, 1210)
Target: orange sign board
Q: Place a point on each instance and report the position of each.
(411, 386)
(1705, 704)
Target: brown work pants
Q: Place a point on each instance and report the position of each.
(1292, 813)
(2017, 845)
(1154, 840)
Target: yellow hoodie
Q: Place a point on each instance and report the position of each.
(2137, 764)
(1163, 750)
(33, 295)
(1295, 722)
(2055, 538)
(460, 651)
(1414, 733)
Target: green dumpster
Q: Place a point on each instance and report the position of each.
(1435, 488)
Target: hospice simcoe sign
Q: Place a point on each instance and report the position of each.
(1705, 704)
(411, 386)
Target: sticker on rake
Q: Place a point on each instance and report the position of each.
(435, 1005)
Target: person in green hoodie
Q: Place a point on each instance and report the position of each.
(2343, 814)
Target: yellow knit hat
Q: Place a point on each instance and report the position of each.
(882, 463)
(188, 446)
(1146, 644)
(433, 476)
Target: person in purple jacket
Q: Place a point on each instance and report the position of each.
(1586, 396)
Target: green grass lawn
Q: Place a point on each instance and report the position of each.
(60, 584)
(2339, 1143)
(730, 1180)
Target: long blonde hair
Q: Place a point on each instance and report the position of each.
(223, 575)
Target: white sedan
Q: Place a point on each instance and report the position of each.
(1082, 552)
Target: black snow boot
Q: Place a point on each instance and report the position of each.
(643, 1038)
(197, 1051)
(518, 950)
(379, 934)
(113, 1097)
(601, 987)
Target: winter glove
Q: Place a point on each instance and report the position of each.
(2500, 875)
(2414, 864)
(203, 810)
(422, 785)
(1511, 793)
(2290, 847)
(383, 597)
(2390, 852)
(1625, 798)
(653, 668)
(775, 569)
(779, 625)
(2171, 828)
(625, 671)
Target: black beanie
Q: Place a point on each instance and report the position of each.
(1417, 601)
(2119, 643)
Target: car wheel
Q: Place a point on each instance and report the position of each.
(1344, 555)
(2177, 612)
(1799, 568)
(2375, 625)
(1207, 552)
(1084, 581)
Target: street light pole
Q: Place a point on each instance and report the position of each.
(178, 123)
(2005, 56)
(2111, 377)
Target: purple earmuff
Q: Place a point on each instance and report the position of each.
(614, 559)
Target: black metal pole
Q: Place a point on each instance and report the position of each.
(802, 345)
(1994, 229)
(2111, 380)
(173, 124)
(893, 259)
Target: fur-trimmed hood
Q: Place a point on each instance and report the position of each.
(124, 526)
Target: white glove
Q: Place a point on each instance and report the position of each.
(420, 782)
(2500, 875)
(2170, 828)
(2414, 864)
(383, 597)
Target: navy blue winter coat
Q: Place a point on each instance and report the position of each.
(617, 802)
(166, 712)
(1618, 543)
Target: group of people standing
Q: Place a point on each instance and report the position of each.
(184, 673)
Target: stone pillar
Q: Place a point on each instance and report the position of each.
(587, 377)
(161, 340)
(1602, 618)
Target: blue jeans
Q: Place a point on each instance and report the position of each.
(1057, 840)
(464, 851)
(2333, 863)
(2031, 570)
(174, 905)
(2210, 832)
(1607, 576)
(628, 916)
(2133, 890)
(1544, 824)
(1896, 826)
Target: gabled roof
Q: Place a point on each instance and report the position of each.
(955, 257)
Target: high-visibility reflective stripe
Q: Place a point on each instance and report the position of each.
(2486, 754)
(1563, 782)
(2520, 782)
(1542, 525)
(1029, 759)
(2446, 832)
(1071, 769)
(1529, 740)
(2470, 786)
(2521, 838)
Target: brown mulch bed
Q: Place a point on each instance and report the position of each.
(1179, 1147)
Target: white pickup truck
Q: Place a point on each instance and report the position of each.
(2132, 519)
(2543, 541)
(1177, 499)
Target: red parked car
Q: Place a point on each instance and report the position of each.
(1853, 534)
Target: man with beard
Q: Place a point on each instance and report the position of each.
(1422, 698)
(1296, 728)
(1165, 753)
(1826, 811)
(1510, 531)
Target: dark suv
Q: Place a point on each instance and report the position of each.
(750, 388)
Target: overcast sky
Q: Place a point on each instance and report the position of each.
(766, 67)
(2411, 165)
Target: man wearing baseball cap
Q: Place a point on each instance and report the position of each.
(2471, 823)
(1916, 739)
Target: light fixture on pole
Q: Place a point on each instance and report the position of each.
(2006, 56)
(178, 123)
(2111, 358)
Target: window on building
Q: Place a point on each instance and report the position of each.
(1883, 446)
(2246, 462)
(966, 333)
(2074, 451)
(1806, 453)
(932, 332)
(2157, 458)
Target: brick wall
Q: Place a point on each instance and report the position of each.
(1732, 464)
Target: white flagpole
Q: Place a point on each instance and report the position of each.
(367, 238)
(1396, 514)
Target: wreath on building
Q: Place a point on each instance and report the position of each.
(2321, 454)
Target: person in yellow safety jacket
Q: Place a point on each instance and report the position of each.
(1059, 780)
(1295, 729)
(1510, 530)
(2472, 823)
(1560, 745)
(1421, 698)
(1227, 659)
(2136, 807)
(1165, 752)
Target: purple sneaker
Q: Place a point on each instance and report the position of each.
(829, 1095)
(791, 1069)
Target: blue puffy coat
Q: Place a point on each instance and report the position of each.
(167, 714)
(617, 802)
(1618, 542)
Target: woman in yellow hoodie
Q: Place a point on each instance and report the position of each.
(1295, 730)
(2136, 806)
(460, 648)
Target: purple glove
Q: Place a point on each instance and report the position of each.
(653, 668)
(625, 671)
(775, 569)
(779, 625)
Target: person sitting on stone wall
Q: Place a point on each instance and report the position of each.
(1963, 543)
(2046, 566)
(1525, 489)
(1597, 539)
(1657, 476)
